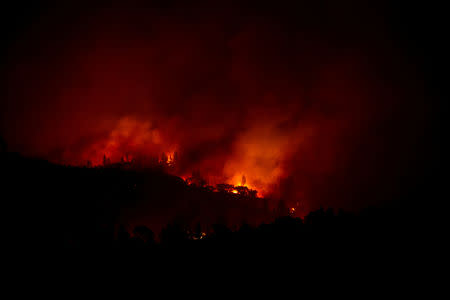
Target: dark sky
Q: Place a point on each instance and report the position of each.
(325, 102)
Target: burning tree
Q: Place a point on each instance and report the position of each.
(225, 188)
(196, 179)
(245, 191)
(106, 160)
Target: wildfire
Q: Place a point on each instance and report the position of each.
(168, 158)
(239, 180)
(133, 140)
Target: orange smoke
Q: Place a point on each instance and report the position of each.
(259, 155)
(256, 160)
(130, 139)
(300, 113)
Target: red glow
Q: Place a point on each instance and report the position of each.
(292, 116)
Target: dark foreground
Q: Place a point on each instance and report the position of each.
(52, 207)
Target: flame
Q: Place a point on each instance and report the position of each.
(129, 139)
(259, 156)
(168, 158)
(132, 138)
(239, 179)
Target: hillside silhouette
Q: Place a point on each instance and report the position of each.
(116, 207)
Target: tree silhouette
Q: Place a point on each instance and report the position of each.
(3, 145)
(145, 235)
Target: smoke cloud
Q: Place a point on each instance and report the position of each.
(308, 109)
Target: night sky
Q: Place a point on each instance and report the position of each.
(329, 103)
